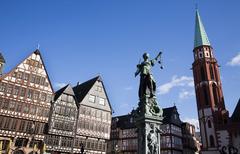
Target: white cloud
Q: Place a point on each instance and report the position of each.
(59, 85)
(235, 61)
(183, 81)
(128, 88)
(193, 122)
(185, 94)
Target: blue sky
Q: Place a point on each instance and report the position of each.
(81, 39)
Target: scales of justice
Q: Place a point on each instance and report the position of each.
(148, 116)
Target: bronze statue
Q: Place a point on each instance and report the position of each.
(147, 87)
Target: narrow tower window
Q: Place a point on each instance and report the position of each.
(202, 74)
(212, 144)
(215, 95)
(211, 72)
(209, 124)
(205, 95)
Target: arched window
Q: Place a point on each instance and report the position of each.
(212, 144)
(211, 72)
(209, 124)
(202, 74)
(215, 94)
(205, 94)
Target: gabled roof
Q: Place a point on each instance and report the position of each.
(59, 92)
(168, 116)
(35, 52)
(200, 37)
(236, 114)
(82, 89)
(124, 122)
(2, 60)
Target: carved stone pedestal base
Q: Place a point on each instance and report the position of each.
(148, 134)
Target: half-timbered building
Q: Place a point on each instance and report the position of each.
(124, 134)
(62, 122)
(94, 117)
(25, 95)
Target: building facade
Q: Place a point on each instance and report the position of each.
(62, 122)
(94, 117)
(25, 95)
(171, 139)
(34, 119)
(124, 139)
(190, 142)
(213, 116)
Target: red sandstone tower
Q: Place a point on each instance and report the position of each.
(213, 116)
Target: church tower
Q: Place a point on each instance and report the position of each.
(212, 114)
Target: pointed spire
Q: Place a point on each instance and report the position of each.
(200, 37)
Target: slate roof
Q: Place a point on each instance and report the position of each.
(82, 89)
(126, 121)
(168, 116)
(200, 36)
(123, 122)
(2, 60)
(236, 114)
(59, 92)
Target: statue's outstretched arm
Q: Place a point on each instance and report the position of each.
(158, 56)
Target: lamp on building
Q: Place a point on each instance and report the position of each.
(116, 149)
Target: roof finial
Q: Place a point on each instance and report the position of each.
(38, 46)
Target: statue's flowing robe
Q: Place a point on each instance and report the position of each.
(147, 83)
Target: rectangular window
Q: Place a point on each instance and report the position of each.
(22, 126)
(42, 81)
(49, 98)
(70, 98)
(19, 107)
(43, 96)
(12, 105)
(25, 108)
(5, 104)
(20, 75)
(26, 76)
(67, 112)
(39, 111)
(23, 91)
(2, 87)
(30, 93)
(37, 80)
(101, 101)
(33, 77)
(29, 127)
(10, 89)
(7, 123)
(57, 109)
(14, 124)
(91, 98)
(16, 90)
(64, 97)
(33, 110)
(36, 95)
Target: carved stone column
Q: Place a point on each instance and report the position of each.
(148, 118)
